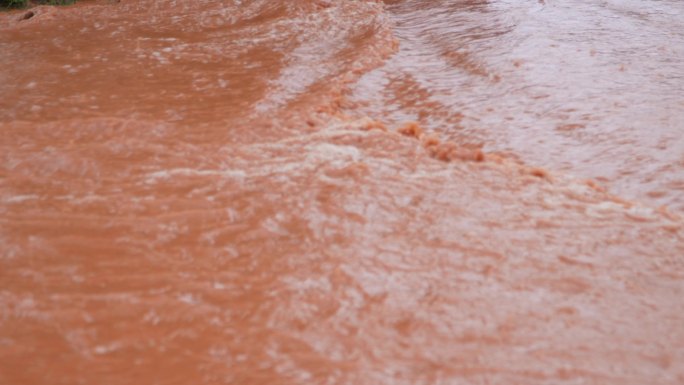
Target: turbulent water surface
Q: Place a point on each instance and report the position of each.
(342, 192)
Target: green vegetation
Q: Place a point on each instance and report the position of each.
(25, 3)
(13, 3)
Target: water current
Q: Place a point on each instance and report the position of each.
(342, 192)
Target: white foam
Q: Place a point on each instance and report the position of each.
(167, 174)
(20, 198)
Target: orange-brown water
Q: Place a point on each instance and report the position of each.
(197, 192)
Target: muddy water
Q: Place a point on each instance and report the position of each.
(228, 192)
(595, 89)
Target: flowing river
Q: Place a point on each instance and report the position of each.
(342, 192)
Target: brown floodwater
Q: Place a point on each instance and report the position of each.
(342, 192)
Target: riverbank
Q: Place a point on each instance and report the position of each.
(23, 4)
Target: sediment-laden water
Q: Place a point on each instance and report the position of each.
(342, 192)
